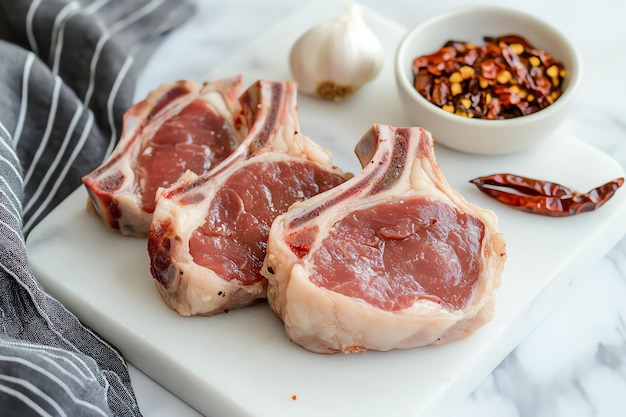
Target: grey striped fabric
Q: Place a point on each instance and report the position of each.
(67, 74)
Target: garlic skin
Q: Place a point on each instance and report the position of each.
(335, 58)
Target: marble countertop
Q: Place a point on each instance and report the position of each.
(573, 364)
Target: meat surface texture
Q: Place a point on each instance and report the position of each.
(393, 258)
(209, 233)
(178, 127)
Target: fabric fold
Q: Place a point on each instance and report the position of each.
(67, 74)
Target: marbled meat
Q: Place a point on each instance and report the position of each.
(208, 237)
(393, 258)
(178, 127)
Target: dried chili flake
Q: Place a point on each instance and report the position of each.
(544, 197)
(506, 77)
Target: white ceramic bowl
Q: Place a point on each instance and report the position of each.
(471, 24)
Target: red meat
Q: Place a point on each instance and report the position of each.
(392, 258)
(178, 127)
(208, 237)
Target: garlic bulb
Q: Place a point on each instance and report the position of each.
(335, 58)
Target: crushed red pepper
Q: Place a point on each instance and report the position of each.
(505, 78)
(545, 197)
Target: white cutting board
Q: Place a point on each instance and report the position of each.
(242, 363)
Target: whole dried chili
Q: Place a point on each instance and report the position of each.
(544, 197)
(505, 78)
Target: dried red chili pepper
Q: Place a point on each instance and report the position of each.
(502, 79)
(544, 197)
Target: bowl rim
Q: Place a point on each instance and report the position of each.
(404, 77)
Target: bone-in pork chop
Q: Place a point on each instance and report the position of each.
(208, 237)
(178, 127)
(392, 258)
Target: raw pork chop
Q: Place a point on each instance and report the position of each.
(209, 233)
(393, 258)
(178, 127)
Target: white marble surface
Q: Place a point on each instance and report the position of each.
(574, 363)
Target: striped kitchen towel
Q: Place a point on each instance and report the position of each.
(67, 74)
